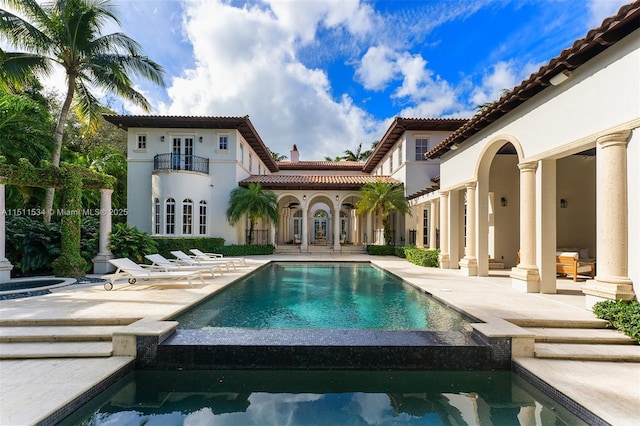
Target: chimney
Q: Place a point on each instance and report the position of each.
(295, 155)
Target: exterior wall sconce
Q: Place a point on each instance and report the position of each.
(200, 139)
(304, 198)
(503, 202)
(454, 146)
(161, 138)
(563, 203)
(337, 197)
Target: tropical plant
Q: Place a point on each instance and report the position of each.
(357, 155)
(382, 198)
(336, 158)
(127, 241)
(276, 156)
(69, 33)
(25, 129)
(254, 203)
(32, 246)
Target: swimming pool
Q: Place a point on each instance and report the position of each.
(322, 398)
(286, 295)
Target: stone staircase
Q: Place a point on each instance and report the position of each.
(57, 339)
(580, 341)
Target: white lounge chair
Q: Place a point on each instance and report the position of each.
(185, 259)
(217, 256)
(127, 268)
(167, 265)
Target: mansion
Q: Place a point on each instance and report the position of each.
(552, 166)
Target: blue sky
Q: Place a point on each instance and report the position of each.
(330, 74)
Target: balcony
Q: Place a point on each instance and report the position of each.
(190, 163)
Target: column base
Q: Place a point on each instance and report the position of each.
(525, 279)
(602, 289)
(443, 260)
(5, 270)
(469, 266)
(101, 264)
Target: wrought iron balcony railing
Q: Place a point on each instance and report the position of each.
(191, 163)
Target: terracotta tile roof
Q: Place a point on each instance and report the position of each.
(401, 125)
(612, 30)
(242, 124)
(320, 165)
(315, 182)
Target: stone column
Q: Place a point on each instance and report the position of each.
(304, 241)
(336, 226)
(443, 257)
(272, 236)
(612, 280)
(525, 275)
(5, 265)
(433, 219)
(469, 263)
(369, 239)
(101, 263)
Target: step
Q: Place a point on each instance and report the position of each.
(65, 333)
(558, 323)
(30, 350)
(582, 352)
(598, 336)
(66, 321)
(493, 265)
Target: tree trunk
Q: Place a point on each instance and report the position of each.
(250, 236)
(59, 134)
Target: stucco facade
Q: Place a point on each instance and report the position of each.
(550, 166)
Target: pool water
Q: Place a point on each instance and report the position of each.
(322, 296)
(321, 398)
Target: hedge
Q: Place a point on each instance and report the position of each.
(381, 250)
(624, 316)
(422, 257)
(209, 245)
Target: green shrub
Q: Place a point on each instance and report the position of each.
(33, 246)
(209, 245)
(381, 250)
(129, 242)
(624, 316)
(167, 245)
(400, 252)
(422, 257)
(246, 250)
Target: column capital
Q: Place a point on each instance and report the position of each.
(616, 138)
(528, 167)
(106, 190)
(471, 185)
(443, 194)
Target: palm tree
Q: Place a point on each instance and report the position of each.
(333, 159)
(254, 203)
(276, 156)
(69, 33)
(354, 156)
(382, 198)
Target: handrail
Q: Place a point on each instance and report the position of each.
(170, 161)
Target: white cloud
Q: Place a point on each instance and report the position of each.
(601, 9)
(377, 67)
(246, 64)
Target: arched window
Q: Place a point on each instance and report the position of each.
(203, 217)
(170, 214)
(156, 216)
(187, 217)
